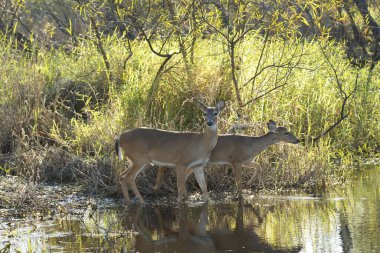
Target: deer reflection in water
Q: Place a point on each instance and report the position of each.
(187, 229)
(168, 229)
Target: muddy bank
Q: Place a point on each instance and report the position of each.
(18, 197)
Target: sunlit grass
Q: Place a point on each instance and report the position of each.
(66, 99)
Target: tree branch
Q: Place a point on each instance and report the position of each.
(99, 45)
(264, 94)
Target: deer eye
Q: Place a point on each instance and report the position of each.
(215, 113)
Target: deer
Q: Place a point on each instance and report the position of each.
(238, 151)
(179, 150)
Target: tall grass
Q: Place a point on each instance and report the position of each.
(60, 112)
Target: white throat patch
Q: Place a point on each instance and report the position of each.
(213, 127)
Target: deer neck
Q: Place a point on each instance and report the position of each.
(263, 142)
(210, 136)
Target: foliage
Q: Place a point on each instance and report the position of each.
(63, 101)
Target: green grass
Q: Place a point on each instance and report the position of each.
(65, 102)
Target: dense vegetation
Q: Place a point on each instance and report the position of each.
(89, 70)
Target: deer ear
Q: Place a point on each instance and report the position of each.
(220, 105)
(272, 126)
(202, 106)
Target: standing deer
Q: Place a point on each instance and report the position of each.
(238, 151)
(180, 150)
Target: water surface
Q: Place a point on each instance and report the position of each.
(346, 221)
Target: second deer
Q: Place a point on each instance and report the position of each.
(180, 150)
(238, 151)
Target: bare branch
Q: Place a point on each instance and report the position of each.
(213, 27)
(343, 114)
(250, 29)
(264, 94)
(259, 61)
(130, 53)
(100, 47)
(335, 72)
(155, 83)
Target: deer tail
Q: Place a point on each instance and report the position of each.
(118, 149)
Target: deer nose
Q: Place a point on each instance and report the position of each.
(210, 123)
(297, 141)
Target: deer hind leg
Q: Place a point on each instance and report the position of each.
(160, 174)
(189, 171)
(181, 183)
(131, 178)
(237, 171)
(200, 176)
(124, 184)
(253, 165)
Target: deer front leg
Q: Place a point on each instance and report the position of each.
(203, 221)
(237, 171)
(200, 176)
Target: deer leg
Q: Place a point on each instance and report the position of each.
(188, 172)
(203, 221)
(124, 184)
(253, 165)
(200, 176)
(181, 183)
(160, 174)
(131, 179)
(237, 171)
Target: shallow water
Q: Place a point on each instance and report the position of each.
(346, 221)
